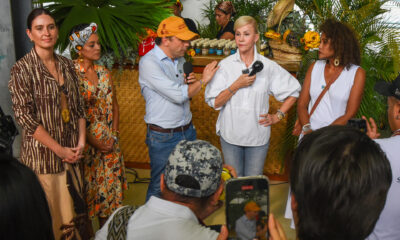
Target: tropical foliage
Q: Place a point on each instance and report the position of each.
(120, 22)
(258, 9)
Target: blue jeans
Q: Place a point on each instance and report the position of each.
(248, 161)
(160, 146)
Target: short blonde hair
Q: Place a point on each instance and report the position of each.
(244, 20)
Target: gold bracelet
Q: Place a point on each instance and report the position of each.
(202, 84)
(115, 133)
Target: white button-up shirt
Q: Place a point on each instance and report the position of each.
(238, 119)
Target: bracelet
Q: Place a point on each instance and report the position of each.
(229, 89)
(202, 84)
(306, 127)
(115, 133)
(280, 114)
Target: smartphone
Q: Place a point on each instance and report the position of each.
(358, 123)
(247, 207)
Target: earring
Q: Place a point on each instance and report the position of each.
(80, 58)
(336, 62)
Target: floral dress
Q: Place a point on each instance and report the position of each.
(104, 172)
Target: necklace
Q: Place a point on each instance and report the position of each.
(397, 132)
(63, 96)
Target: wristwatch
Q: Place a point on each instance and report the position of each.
(280, 114)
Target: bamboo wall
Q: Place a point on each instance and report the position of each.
(133, 127)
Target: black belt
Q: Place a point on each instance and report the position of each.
(169, 130)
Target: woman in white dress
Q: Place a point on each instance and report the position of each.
(244, 123)
(338, 64)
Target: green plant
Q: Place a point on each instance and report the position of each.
(257, 9)
(120, 22)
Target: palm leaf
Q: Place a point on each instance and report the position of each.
(120, 22)
(379, 42)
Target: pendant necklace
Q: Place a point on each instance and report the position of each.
(63, 96)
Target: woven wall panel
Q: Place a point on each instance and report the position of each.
(133, 128)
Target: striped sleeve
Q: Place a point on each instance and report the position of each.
(21, 90)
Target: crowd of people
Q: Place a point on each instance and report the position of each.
(344, 184)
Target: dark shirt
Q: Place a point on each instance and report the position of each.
(227, 28)
(191, 25)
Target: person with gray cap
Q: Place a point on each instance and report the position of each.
(387, 226)
(190, 188)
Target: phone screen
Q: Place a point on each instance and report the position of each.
(247, 208)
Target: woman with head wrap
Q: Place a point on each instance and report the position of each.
(103, 162)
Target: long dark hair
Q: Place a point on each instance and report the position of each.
(24, 212)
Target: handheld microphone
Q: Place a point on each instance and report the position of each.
(257, 67)
(187, 69)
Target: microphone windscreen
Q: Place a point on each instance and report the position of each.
(257, 67)
(187, 68)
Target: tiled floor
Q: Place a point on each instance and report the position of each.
(136, 195)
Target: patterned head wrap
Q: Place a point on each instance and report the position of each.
(78, 39)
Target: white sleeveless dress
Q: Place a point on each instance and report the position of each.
(333, 104)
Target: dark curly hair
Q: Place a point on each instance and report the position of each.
(344, 42)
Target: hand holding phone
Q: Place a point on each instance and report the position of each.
(247, 204)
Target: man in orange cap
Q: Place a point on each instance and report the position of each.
(245, 226)
(167, 91)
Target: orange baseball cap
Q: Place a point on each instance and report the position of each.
(175, 26)
(251, 206)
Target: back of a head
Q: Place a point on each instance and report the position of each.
(24, 213)
(339, 178)
(193, 169)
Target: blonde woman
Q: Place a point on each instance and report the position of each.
(244, 123)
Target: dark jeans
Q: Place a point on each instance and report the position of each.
(160, 146)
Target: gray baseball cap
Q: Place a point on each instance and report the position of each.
(193, 169)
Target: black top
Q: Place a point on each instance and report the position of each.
(191, 25)
(227, 28)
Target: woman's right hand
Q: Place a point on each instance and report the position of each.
(68, 155)
(245, 80)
